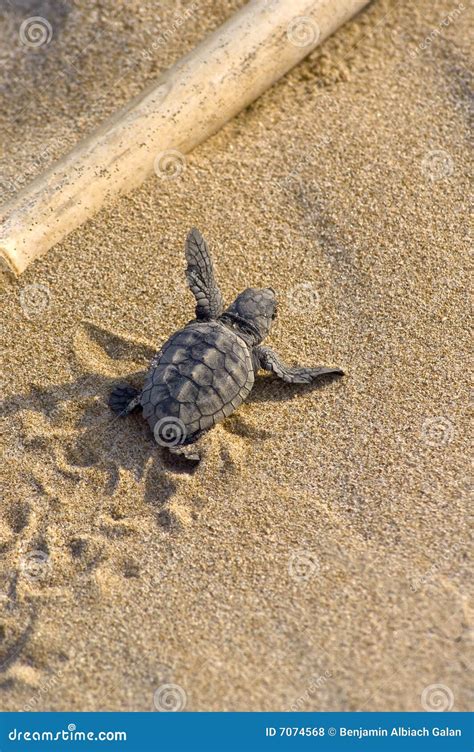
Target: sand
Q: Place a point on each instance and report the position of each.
(317, 559)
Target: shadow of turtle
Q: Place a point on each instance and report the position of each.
(98, 437)
(55, 10)
(113, 443)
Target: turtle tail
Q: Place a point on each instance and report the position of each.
(124, 399)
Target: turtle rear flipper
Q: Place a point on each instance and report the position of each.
(124, 399)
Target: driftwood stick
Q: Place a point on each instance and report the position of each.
(186, 105)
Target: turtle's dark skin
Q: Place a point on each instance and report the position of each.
(207, 369)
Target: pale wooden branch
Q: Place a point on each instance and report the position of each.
(187, 104)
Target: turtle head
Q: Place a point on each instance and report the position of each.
(253, 312)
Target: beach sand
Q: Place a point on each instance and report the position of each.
(317, 558)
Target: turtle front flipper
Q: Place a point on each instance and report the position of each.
(267, 359)
(124, 399)
(200, 276)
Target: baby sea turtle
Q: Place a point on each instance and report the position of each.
(207, 369)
